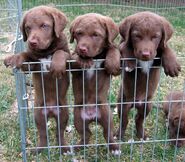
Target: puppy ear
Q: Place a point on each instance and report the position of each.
(176, 120)
(73, 27)
(126, 52)
(167, 31)
(112, 29)
(72, 31)
(22, 28)
(124, 29)
(60, 21)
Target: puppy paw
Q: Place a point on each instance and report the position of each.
(58, 63)
(112, 61)
(116, 152)
(129, 65)
(178, 143)
(14, 61)
(172, 68)
(128, 69)
(112, 67)
(114, 148)
(131, 140)
(68, 151)
(170, 63)
(57, 69)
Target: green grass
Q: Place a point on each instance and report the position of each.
(10, 141)
(9, 133)
(7, 90)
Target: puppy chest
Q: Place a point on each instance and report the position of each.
(92, 71)
(145, 66)
(45, 63)
(139, 84)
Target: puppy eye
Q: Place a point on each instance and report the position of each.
(44, 26)
(137, 36)
(27, 28)
(95, 34)
(79, 33)
(154, 37)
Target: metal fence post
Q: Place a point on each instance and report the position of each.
(20, 85)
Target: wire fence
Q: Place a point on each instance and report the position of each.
(157, 147)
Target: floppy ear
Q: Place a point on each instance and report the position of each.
(112, 29)
(124, 29)
(22, 28)
(60, 21)
(73, 27)
(72, 31)
(176, 120)
(167, 31)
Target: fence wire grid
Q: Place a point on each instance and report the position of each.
(157, 147)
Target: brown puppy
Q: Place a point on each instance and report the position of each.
(42, 28)
(174, 110)
(144, 37)
(94, 35)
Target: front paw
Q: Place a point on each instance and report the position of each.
(116, 152)
(57, 69)
(172, 69)
(180, 143)
(129, 65)
(112, 66)
(170, 63)
(14, 61)
(58, 63)
(112, 61)
(177, 143)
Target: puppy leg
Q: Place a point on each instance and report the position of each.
(169, 62)
(123, 110)
(64, 115)
(41, 126)
(130, 64)
(112, 61)
(80, 124)
(15, 60)
(106, 121)
(141, 114)
(173, 135)
(58, 63)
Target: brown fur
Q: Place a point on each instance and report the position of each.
(144, 37)
(175, 112)
(94, 35)
(42, 28)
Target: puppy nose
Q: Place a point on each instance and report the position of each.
(32, 43)
(146, 53)
(83, 50)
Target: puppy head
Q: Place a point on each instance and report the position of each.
(92, 32)
(144, 33)
(41, 25)
(176, 119)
